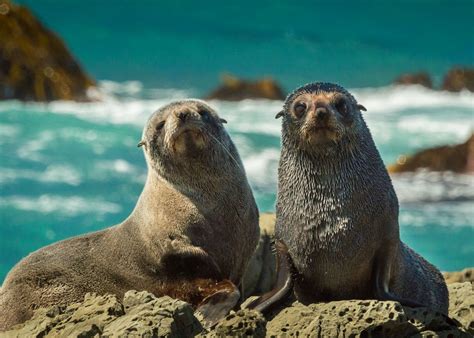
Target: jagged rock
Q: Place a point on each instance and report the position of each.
(243, 323)
(461, 304)
(457, 158)
(359, 318)
(261, 274)
(35, 65)
(421, 78)
(148, 316)
(87, 318)
(458, 79)
(235, 89)
(143, 315)
(466, 275)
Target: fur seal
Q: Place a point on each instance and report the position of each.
(337, 231)
(190, 236)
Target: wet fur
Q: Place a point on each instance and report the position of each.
(338, 214)
(192, 232)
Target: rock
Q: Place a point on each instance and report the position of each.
(466, 275)
(148, 316)
(457, 158)
(143, 315)
(421, 78)
(461, 304)
(359, 318)
(234, 89)
(87, 318)
(261, 275)
(35, 65)
(243, 323)
(458, 79)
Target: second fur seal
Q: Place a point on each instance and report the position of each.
(190, 236)
(337, 231)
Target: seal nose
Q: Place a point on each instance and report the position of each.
(321, 114)
(182, 116)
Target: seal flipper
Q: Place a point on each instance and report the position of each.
(382, 268)
(217, 305)
(284, 284)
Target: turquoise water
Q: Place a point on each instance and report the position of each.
(70, 168)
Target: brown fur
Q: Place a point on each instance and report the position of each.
(194, 225)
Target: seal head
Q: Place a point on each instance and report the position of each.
(183, 133)
(319, 115)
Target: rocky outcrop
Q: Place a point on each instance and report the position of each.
(466, 275)
(359, 318)
(458, 158)
(141, 314)
(35, 65)
(421, 78)
(461, 304)
(235, 89)
(458, 79)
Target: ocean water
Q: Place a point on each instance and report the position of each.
(70, 168)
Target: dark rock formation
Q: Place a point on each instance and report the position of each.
(458, 79)
(234, 89)
(421, 78)
(458, 158)
(35, 65)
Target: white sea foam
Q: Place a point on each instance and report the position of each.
(261, 168)
(8, 131)
(449, 214)
(395, 98)
(52, 174)
(402, 119)
(426, 187)
(63, 205)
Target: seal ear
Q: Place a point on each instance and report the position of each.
(361, 107)
(280, 114)
(141, 143)
(223, 121)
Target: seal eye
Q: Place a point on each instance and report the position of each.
(160, 125)
(341, 107)
(300, 109)
(205, 116)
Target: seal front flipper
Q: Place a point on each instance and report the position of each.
(284, 284)
(217, 305)
(382, 269)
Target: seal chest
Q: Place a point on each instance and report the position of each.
(190, 236)
(337, 211)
